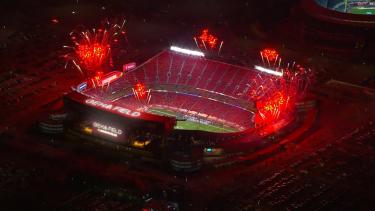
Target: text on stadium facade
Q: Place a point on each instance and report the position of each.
(110, 107)
(102, 128)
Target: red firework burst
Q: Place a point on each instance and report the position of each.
(272, 108)
(207, 38)
(92, 48)
(275, 96)
(92, 56)
(270, 54)
(140, 91)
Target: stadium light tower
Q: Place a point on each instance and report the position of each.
(187, 51)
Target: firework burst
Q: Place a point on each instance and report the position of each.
(270, 54)
(276, 95)
(91, 51)
(208, 41)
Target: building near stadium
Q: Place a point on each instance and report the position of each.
(191, 110)
(338, 27)
(360, 7)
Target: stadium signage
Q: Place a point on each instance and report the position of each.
(129, 66)
(110, 77)
(363, 3)
(82, 86)
(108, 130)
(111, 107)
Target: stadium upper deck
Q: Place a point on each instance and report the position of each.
(197, 86)
(180, 73)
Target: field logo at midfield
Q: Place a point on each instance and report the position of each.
(111, 107)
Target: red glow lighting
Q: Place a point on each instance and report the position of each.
(140, 90)
(98, 75)
(96, 79)
(55, 21)
(270, 53)
(92, 55)
(208, 38)
(269, 110)
(275, 97)
(109, 78)
(92, 49)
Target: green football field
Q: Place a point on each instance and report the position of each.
(363, 10)
(190, 125)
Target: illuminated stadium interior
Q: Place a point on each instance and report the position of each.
(201, 94)
(185, 90)
(360, 7)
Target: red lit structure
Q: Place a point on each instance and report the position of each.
(276, 96)
(129, 66)
(235, 96)
(196, 89)
(109, 78)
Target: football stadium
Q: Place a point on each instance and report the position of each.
(361, 7)
(338, 28)
(183, 106)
